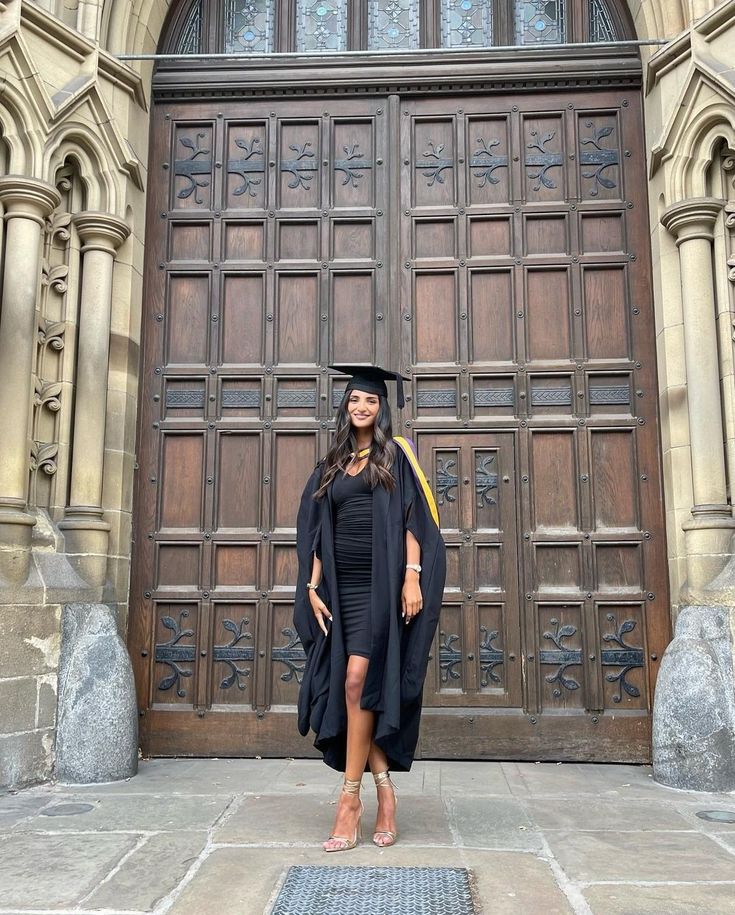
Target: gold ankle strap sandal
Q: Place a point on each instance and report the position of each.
(384, 837)
(353, 788)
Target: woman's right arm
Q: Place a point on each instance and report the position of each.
(317, 604)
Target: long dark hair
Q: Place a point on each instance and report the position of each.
(344, 445)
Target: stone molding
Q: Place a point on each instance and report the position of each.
(42, 126)
(27, 198)
(693, 218)
(101, 231)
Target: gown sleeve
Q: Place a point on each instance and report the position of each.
(418, 636)
(308, 542)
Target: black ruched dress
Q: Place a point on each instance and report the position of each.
(353, 553)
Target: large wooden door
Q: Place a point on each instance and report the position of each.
(528, 329)
(495, 249)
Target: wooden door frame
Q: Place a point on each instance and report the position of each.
(413, 75)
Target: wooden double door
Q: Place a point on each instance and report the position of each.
(494, 248)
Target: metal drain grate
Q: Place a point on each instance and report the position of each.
(316, 890)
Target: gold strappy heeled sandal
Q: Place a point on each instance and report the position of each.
(349, 787)
(382, 780)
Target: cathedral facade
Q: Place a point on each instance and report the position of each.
(527, 207)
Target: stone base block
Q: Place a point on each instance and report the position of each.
(97, 736)
(26, 758)
(694, 709)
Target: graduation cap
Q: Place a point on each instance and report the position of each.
(372, 378)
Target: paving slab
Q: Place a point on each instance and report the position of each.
(493, 823)
(132, 813)
(307, 819)
(558, 779)
(42, 871)
(150, 873)
(17, 807)
(473, 778)
(605, 815)
(291, 819)
(193, 776)
(712, 803)
(516, 884)
(713, 899)
(421, 820)
(246, 880)
(727, 839)
(634, 857)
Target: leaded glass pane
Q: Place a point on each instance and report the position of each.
(190, 38)
(540, 21)
(322, 25)
(393, 24)
(602, 27)
(467, 23)
(249, 26)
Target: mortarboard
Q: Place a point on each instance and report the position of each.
(372, 378)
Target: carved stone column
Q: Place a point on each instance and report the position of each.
(85, 530)
(709, 533)
(27, 203)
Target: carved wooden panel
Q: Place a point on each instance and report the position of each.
(476, 655)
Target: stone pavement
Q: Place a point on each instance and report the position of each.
(193, 837)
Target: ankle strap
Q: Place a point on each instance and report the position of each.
(350, 787)
(382, 778)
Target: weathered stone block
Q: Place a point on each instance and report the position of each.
(18, 700)
(26, 758)
(47, 701)
(694, 709)
(29, 640)
(97, 730)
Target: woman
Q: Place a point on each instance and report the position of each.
(371, 577)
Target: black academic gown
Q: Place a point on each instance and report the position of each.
(399, 652)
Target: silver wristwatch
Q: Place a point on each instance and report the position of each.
(414, 565)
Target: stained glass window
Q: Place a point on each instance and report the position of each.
(190, 37)
(540, 21)
(322, 25)
(393, 24)
(602, 27)
(249, 26)
(467, 23)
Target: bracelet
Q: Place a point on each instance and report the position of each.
(310, 586)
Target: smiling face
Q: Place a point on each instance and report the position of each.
(362, 408)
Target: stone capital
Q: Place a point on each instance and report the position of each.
(101, 231)
(27, 198)
(694, 218)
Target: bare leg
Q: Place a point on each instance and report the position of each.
(360, 724)
(386, 819)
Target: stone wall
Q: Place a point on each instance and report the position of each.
(73, 139)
